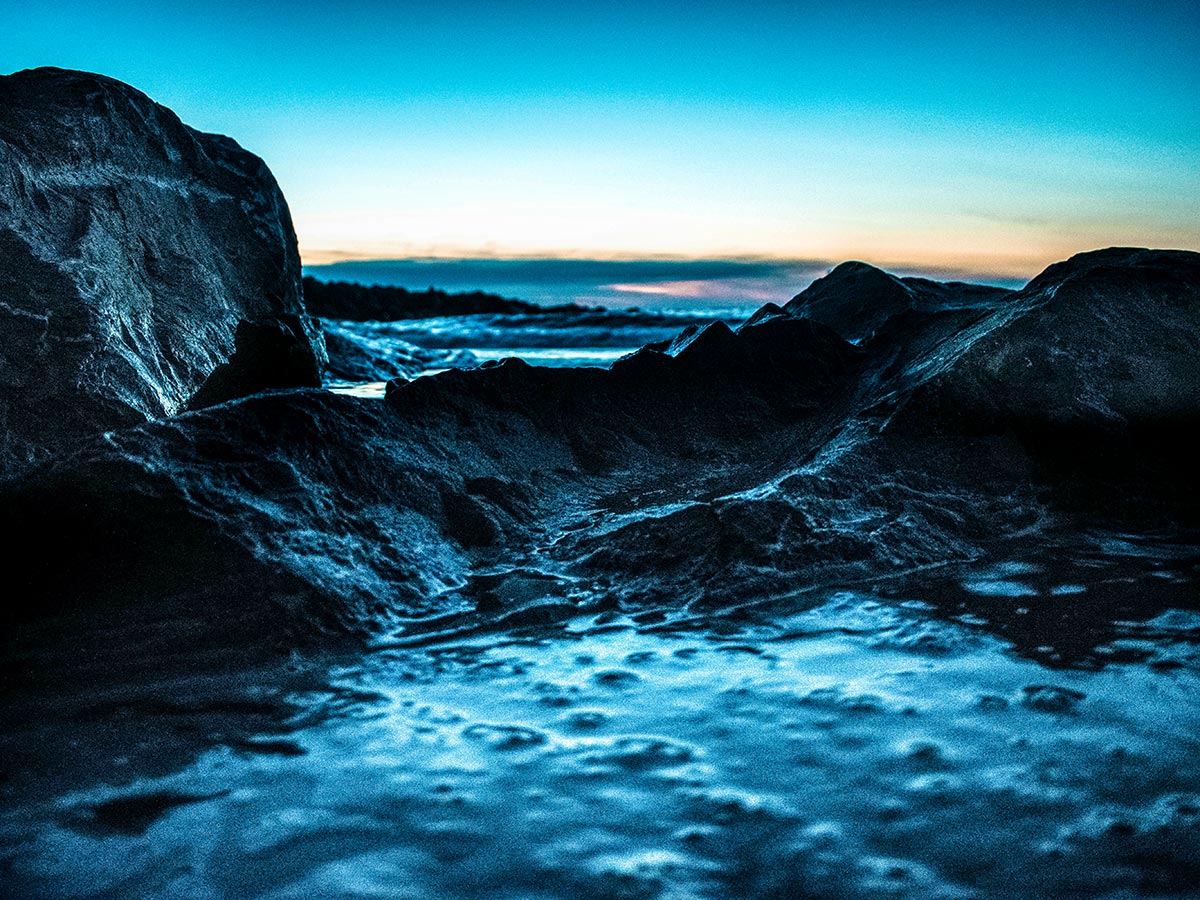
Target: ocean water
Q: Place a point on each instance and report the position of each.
(694, 285)
(901, 740)
(585, 338)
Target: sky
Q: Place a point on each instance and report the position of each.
(983, 139)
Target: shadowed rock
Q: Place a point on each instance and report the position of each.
(382, 511)
(1106, 341)
(144, 267)
(728, 467)
(856, 299)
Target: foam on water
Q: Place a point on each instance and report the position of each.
(555, 356)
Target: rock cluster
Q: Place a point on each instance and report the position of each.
(873, 426)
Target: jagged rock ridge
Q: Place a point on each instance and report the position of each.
(729, 467)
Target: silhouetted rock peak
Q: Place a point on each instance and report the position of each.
(694, 342)
(854, 300)
(763, 313)
(144, 267)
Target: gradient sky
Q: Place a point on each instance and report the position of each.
(990, 138)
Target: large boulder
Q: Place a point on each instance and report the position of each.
(1105, 342)
(145, 267)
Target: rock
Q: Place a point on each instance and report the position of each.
(145, 267)
(856, 299)
(325, 505)
(1104, 342)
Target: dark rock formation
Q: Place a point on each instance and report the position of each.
(364, 513)
(144, 267)
(149, 270)
(730, 467)
(369, 303)
(1106, 341)
(856, 299)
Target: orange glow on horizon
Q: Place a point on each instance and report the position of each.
(1012, 264)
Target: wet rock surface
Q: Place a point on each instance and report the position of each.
(774, 758)
(714, 472)
(144, 266)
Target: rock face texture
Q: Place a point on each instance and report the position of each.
(1106, 341)
(145, 267)
(725, 468)
(369, 512)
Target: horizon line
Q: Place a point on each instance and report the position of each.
(320, 259)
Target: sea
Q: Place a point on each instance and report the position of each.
(621, 306)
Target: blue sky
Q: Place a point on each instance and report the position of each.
(989, 138)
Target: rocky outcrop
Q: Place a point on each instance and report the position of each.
(145, 267)
(366, 514)
(731, 466)
(874, 426)
(856, 299)
(1107, 341)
